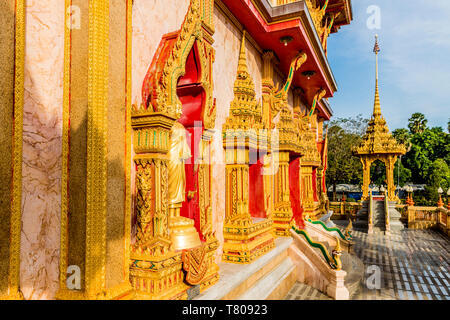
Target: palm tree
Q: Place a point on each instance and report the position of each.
(417, 123)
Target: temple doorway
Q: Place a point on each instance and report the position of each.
(192, 95)
(378, 173)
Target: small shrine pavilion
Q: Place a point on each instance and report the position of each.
(378, 144)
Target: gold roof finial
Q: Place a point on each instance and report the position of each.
(377, 105)
(378, 139)
(244, 109)
(242, 64)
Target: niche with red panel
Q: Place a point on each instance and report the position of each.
(192, 96)
(256, 186)
(294, 190)
(314, 184)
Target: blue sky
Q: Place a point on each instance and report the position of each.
(414, 61)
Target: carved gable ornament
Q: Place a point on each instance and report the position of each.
(159, 90)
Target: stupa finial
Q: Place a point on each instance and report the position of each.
(377, 105)
(242, 64)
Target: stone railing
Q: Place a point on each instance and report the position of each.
(337, 230)
(370, 213)
(344, 210)
(332, 259)
(386, 212)
(403, 209)
(444, 220)
(429, 217)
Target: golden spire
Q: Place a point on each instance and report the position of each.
(242, 64)
(244, 82)
(378, 139)
(376, 106)
(244, 109)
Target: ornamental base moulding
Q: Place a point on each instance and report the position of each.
(282, 228)
(282, 223)
(17, 295)
(164, 277)
(313, 211)
(246, 251)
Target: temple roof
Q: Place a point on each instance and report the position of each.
(378, 139)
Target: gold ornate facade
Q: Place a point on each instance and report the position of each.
(286, 140)
(162, 268)
(132, 199)
(245, 139)
(311, 160)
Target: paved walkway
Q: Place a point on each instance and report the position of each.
(414, 265)
(302, 291)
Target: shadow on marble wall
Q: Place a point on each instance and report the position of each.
(6, 134)
(115, 221)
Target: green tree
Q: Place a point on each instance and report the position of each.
(417, 123)
(439, 177)
(403, 136)
(426, 148)
(343, 135)
(355, 125)
(402, 175)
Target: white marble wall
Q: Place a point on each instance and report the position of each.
(151, 20)
(42, 130)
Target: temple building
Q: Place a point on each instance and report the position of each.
(168, 149)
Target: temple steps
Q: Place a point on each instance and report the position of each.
(274, 274)
(379, 222)
(269, 277)
(379, 217)
(269, 286)
(394, 217)
(350, 263)
(302, 291)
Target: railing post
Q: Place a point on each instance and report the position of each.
(447, 222)
(411, 216)
(386, 211)
(370, 226)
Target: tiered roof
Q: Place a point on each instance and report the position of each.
(378, 139)
(245, 111)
